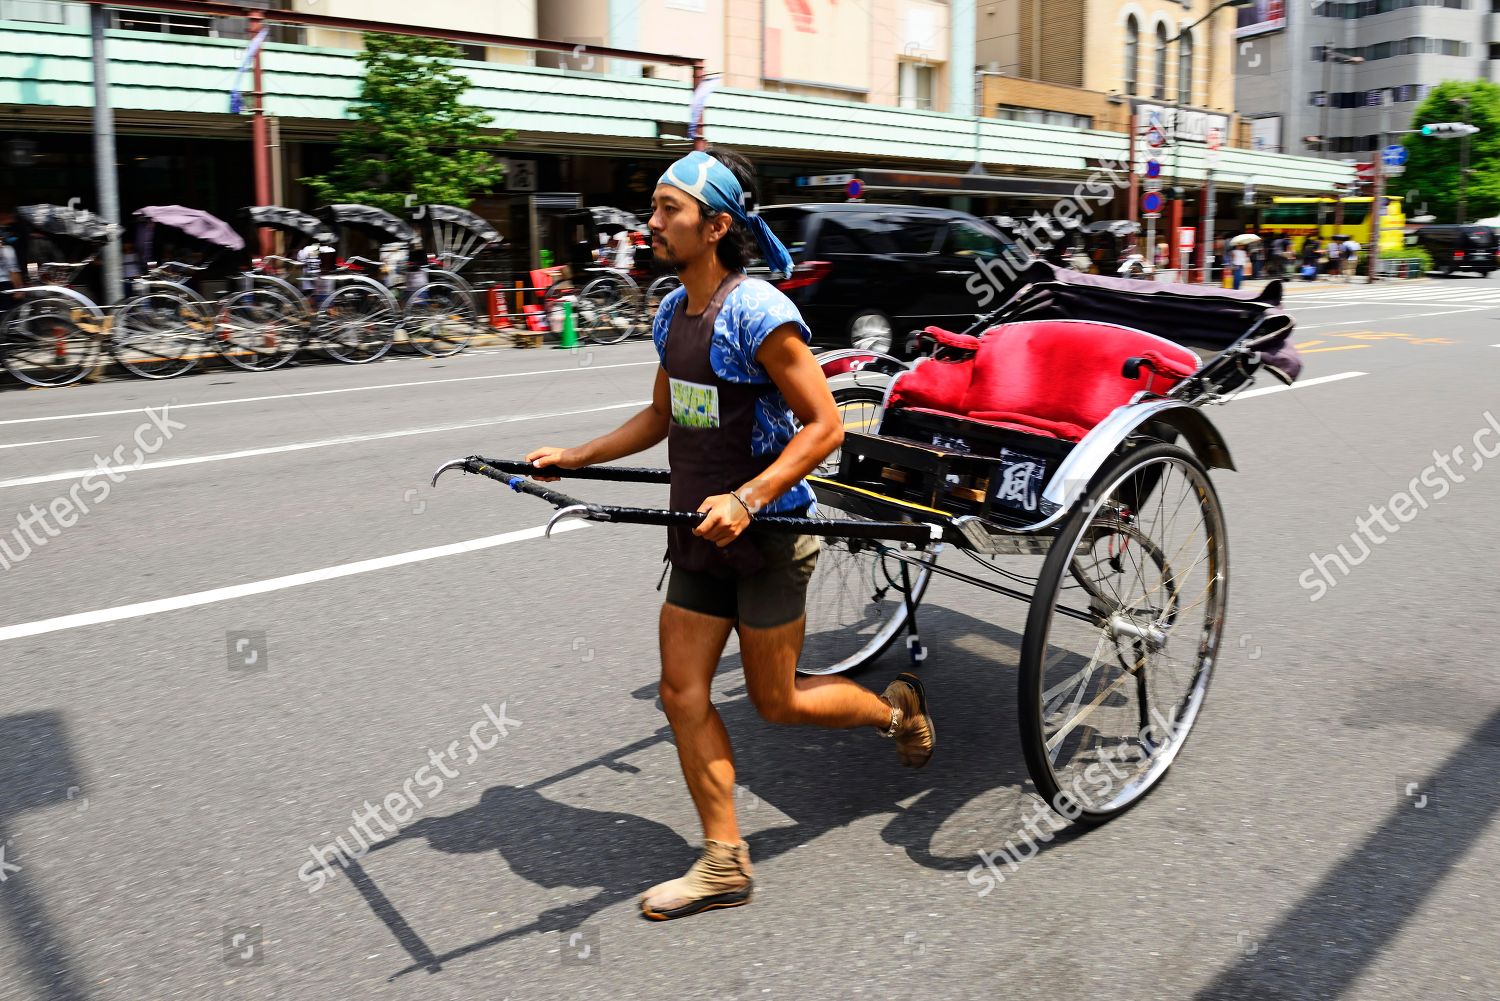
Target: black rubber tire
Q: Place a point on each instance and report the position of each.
(1060, 565)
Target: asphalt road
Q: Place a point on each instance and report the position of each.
(272, 620)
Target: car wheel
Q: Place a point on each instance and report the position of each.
(871, 330)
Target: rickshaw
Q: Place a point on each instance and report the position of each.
(1113, 245)
(167, 325)
(1064, 429)
(53, 335)
(435, 307)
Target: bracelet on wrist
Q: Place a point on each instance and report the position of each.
(735, 494)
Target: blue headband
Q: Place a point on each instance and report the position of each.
(715, 185)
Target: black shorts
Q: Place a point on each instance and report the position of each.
(772, 596)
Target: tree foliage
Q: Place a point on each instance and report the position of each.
(412, 133)
(1434, 163)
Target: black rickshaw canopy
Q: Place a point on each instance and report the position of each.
(68, 223)
(292, 222)
(372, 221)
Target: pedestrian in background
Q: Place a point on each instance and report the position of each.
(10, 261)
(1311, 252)
(1350, 258)
(1239, 262)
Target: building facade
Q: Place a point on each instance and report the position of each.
(597, 129)
(1328, 78)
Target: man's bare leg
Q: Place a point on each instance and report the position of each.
(770, 658)
(691, 645)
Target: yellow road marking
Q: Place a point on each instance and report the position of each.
(1338, 347)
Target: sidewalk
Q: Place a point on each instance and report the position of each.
(1295, 286)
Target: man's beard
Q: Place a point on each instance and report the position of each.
(660, 251)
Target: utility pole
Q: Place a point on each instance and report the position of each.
(106, 179)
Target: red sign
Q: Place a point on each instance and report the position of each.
(1187, 237)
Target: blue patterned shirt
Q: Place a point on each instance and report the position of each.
(750, 313)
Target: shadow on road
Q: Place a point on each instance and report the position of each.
(822, 779)
(36, 771)
(1345, 923)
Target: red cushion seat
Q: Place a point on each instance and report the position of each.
(1058, 377)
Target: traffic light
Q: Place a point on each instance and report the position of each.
(1448, 130)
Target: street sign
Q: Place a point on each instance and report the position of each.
(520, 175)
(1393, 170)
(1152, 184)
(1215, 138)
(1187, 237)
(1448, 130)
(824, 180)
(1155, 137)
(1394, 155)
(1150, 215)
(1153, 168)
(854, 188)
(1151, 202)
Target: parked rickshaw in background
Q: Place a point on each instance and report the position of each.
(52, 337)
(1114, 248)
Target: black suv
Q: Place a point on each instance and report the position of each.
(1459, 248)
(866, 275)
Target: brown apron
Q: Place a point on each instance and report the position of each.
(708, 440)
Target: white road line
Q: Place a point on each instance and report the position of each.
(1387, 319)
(49, 441)
(329, 392)
(1303, 384)
(74, 474)
(140, 608)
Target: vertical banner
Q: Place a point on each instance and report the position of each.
(236, 97)
(700, 100)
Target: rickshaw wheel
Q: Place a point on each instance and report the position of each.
(359, 324)
(154, 337)
(1106, 704)
(857, 598)
(259, 329)
(440, 319)
(43, 345)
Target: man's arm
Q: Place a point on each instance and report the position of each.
(800, 378)
(646, 428)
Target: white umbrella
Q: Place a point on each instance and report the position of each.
(1244, 239)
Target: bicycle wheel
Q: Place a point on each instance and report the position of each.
(859, 410)
(359, 323)
(259, 329)
(1109, 692)
(657, 291)
(49, 341)
(604, 312)
(159, 334)
(440, 319)
(857, 597)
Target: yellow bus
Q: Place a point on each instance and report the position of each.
(1297, 217)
